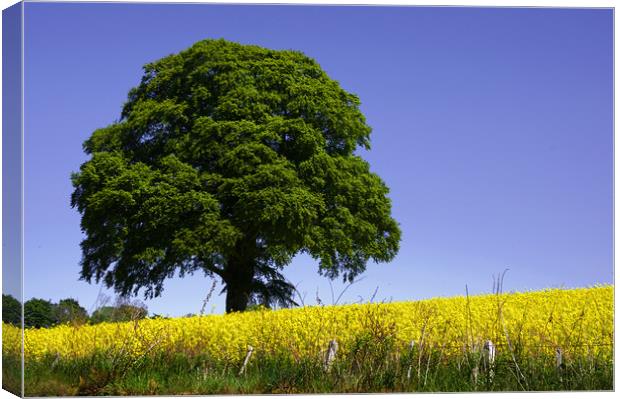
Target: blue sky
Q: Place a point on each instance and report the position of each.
(492, 127)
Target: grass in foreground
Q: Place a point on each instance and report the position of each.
(364, 370)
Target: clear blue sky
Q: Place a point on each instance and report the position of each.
(492, 127)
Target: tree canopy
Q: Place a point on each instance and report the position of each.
(230, 159)
(11, 310)
(39, 313)
(69, 310)
(119, 313)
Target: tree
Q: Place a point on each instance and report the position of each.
(229, 160)
(123, 310)
(103, 314)
(69, 311)
(129, 312)
(11, 310)
(39, 313)
(114, 314)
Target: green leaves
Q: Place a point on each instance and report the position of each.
(231, 159)
(11, 310)
(39, 313)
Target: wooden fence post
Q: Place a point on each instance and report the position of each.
(489, 358)
(559, 362)
(331, 354)
(246, 360)
(489, 350)
(56, 360)
(558, 358)
(411, 346)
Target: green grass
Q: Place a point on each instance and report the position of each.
(371, 366)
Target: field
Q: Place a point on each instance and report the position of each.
(557, 339)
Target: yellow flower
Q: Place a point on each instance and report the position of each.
(580, 321)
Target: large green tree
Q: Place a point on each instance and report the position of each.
(230, 159)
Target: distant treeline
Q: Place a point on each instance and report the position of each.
(42, 313)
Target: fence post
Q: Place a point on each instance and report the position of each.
(56, 359)
(559, 361)
(247, 359)
(411, 346)
(489, 359)
(331, 354)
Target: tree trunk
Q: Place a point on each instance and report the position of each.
(238, 280)
(237, 297)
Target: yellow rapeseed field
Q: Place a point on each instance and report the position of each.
(580, 321)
